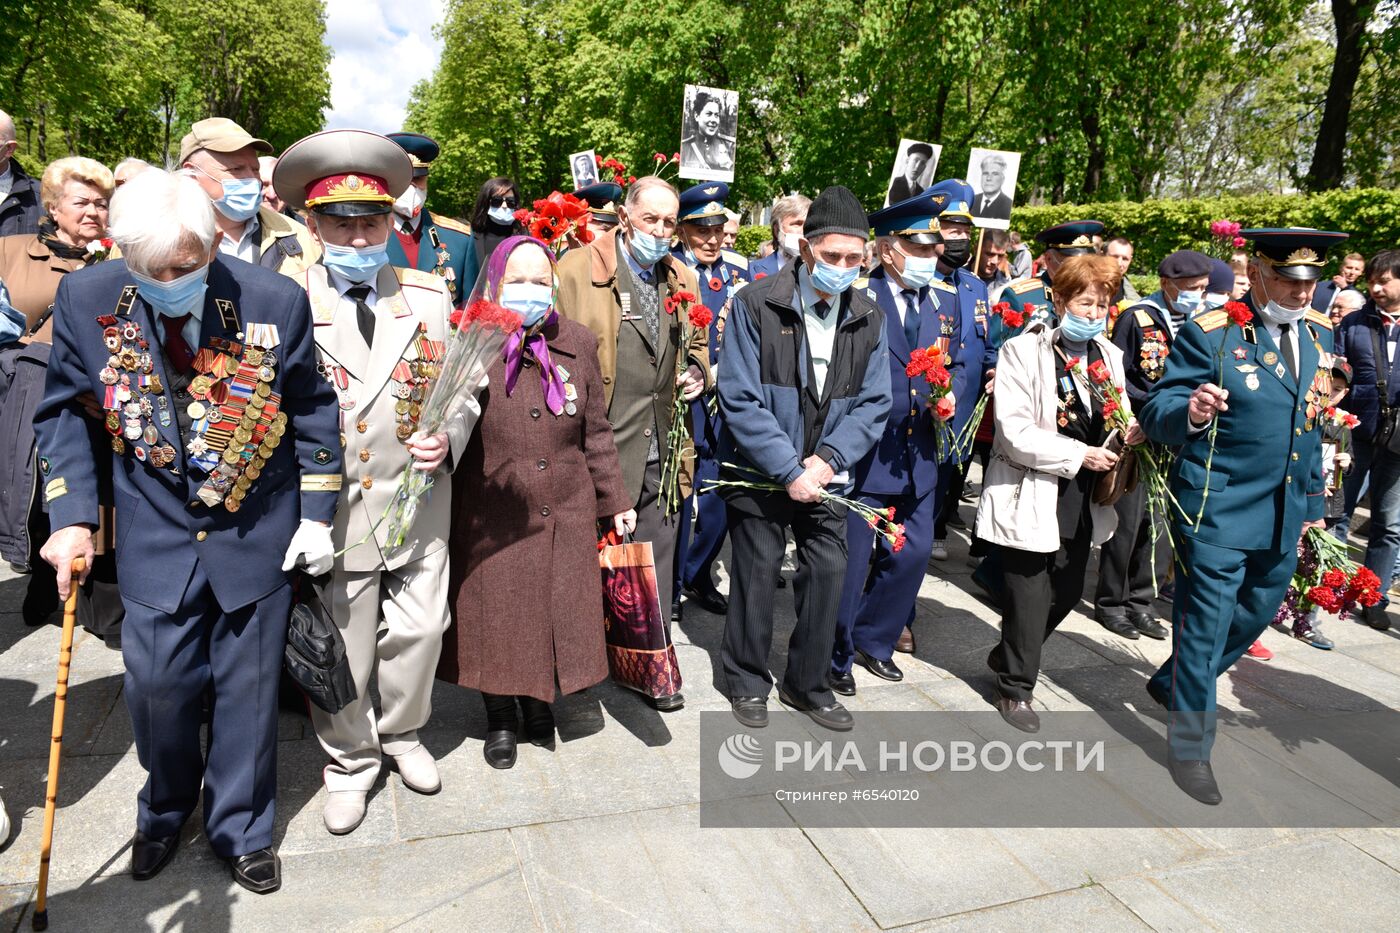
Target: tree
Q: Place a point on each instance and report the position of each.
(1351, 18)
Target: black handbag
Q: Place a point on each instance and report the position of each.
(315, 654)
(1387, 434)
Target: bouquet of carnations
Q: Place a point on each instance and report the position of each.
(476, 336)
(1008, 321)
(932, 364)
(693, 318)
(882, 520)
(559, 220)
(1326, 579)
(1225, 238)
(1336, 427)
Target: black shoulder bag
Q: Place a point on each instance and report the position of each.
(1387, 431)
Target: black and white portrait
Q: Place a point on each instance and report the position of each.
(709, 130)
(992, 174)
(914, 165)
(584, 167)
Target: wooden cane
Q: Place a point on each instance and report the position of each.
(40, 921)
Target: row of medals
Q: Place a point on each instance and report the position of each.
(131, 386)
(251, 443)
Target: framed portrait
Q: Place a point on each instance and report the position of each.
(709, 133)
(915, 162)
(584, 167)
(992, 175)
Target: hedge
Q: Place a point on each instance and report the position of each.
(1370, 215)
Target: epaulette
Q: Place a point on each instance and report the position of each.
(1025, 285)
(420, 278)
(735, 259)
(943, 286)
(1317, 317)
(1143, 317)
(441, 221)
(1212, 320)
(862, 282)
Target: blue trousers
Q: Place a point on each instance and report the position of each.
(173, 662)
(695, 556)
(877, 599)
(1382, 469)
(1224, 601)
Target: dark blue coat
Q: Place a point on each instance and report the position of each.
(969, 345)
(768, 265)
(1143, 334)
(1355, 342)
(162, 528)
(731, 278)
(454, 257)
(20, 211)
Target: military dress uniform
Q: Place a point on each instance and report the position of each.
(389, 602)
(1263, 483)
(703, 204)
(431, 242)
(223, 439)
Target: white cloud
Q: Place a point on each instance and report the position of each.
(382, 48)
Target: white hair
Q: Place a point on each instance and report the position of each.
(132, 162)
(645, 184)
(158, 214)
(1349, 297)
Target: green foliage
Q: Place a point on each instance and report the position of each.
(750, 238)
(1370, 215)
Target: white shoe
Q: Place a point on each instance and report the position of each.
(940, 550)
(418, 770)
(4, 825)
(345, 811)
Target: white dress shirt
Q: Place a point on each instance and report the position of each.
(821, 329)
(246, 246)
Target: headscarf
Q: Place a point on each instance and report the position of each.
(524, 341)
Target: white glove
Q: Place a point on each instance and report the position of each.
(311, 548)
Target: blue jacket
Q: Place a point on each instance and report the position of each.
(1355, 342)
(21, 211)
(453, 257)
(163, 528)
(768, 265)
(765, 394)
(730, 278)
(1265, 478)
(968, 345)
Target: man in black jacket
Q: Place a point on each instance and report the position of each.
(19, 194)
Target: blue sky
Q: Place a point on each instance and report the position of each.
(382, 48)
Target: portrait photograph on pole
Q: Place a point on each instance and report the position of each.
(709, 133)
(992, 174)
(583, 166)
(914, 165)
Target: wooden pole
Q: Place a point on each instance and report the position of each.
(40, 920)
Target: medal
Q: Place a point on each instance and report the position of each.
(570, 409)
(1251, 382)
(1270, 357)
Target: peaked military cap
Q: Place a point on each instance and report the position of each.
(421, 149)
(1072, 238)
(916, 218)
(1294, 252)
(703, 204)
(602, 200)
(345, 173)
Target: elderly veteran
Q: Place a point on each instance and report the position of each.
(427, 241)
(223, 158)
(1052, 446)
(226, 464)
(379, 332)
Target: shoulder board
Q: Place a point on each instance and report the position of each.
(943, 286)
(862, 282)
(1143, 317)
(419, 278)
(1212, 320)
(1026, 285)
(450, 224)
(735, 259)
(1317, 317)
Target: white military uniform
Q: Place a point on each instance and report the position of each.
(390, 605)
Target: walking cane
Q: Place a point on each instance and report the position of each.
(40, 920)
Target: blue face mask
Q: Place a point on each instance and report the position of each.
(528, 299)
(918, 272)
(833, 279)
(175, 298)
(502, 215)
(647, 249)
(241, 200)
(1081, 329)
(1189, 303)
(1214, 300)
(358, 264)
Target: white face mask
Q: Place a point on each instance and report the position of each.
(408, 204)
(788, 243)
(1276, 313)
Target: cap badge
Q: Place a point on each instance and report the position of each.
(711, 192)
(1303, 255)
(353, 182)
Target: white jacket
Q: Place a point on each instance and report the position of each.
(1022, 486)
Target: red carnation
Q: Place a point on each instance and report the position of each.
(889, 513)
(686, 296)
(943, 408)
(1336, 578)
(715, 284)
(1325, 598)
(1013, 318)
(700, 316)
(1071, 364)
(1239, 312)
(660, 157)
(897, 540)
(1109, 407)
(1098, 372)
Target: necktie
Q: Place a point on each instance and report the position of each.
(176, 349)
(823, 306)
(364, 314)
(408, 228)
(1290, 356)
(911, 318)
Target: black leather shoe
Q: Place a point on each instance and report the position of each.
(1376, 618)
(1119, 625)
(1019, 714)
(750, 711)
(844, 684)
(259, 872)
(667, 704)
(885, 670)
(539, 722)
(1197, 779)
(676, 611)
(707, 598)
(499, 750)
(149, 854)
(832, 716)
(1147, 624)
(1160, 698)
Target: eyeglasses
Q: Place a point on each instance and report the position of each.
(503, 202)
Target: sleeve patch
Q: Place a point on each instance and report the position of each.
(320, 482)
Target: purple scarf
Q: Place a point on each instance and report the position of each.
(534, 344)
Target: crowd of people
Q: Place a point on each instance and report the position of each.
(215, 383)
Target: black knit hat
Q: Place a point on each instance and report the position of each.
(836, 210)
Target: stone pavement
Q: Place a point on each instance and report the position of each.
(603, 834)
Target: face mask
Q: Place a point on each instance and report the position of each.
(918, 271)
(647, 249)
(956, 253)
(1081, 329)
(1214, 300)
(1188, 303)
(527, 299)
(358, 264)
(788, 243)
(502, 215)
(408, 204)
(242, 197)
(177, 297)
(1276, 313)
(832, 279)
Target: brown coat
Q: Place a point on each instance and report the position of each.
(588, 294)
(31, 275)
(526, 590)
